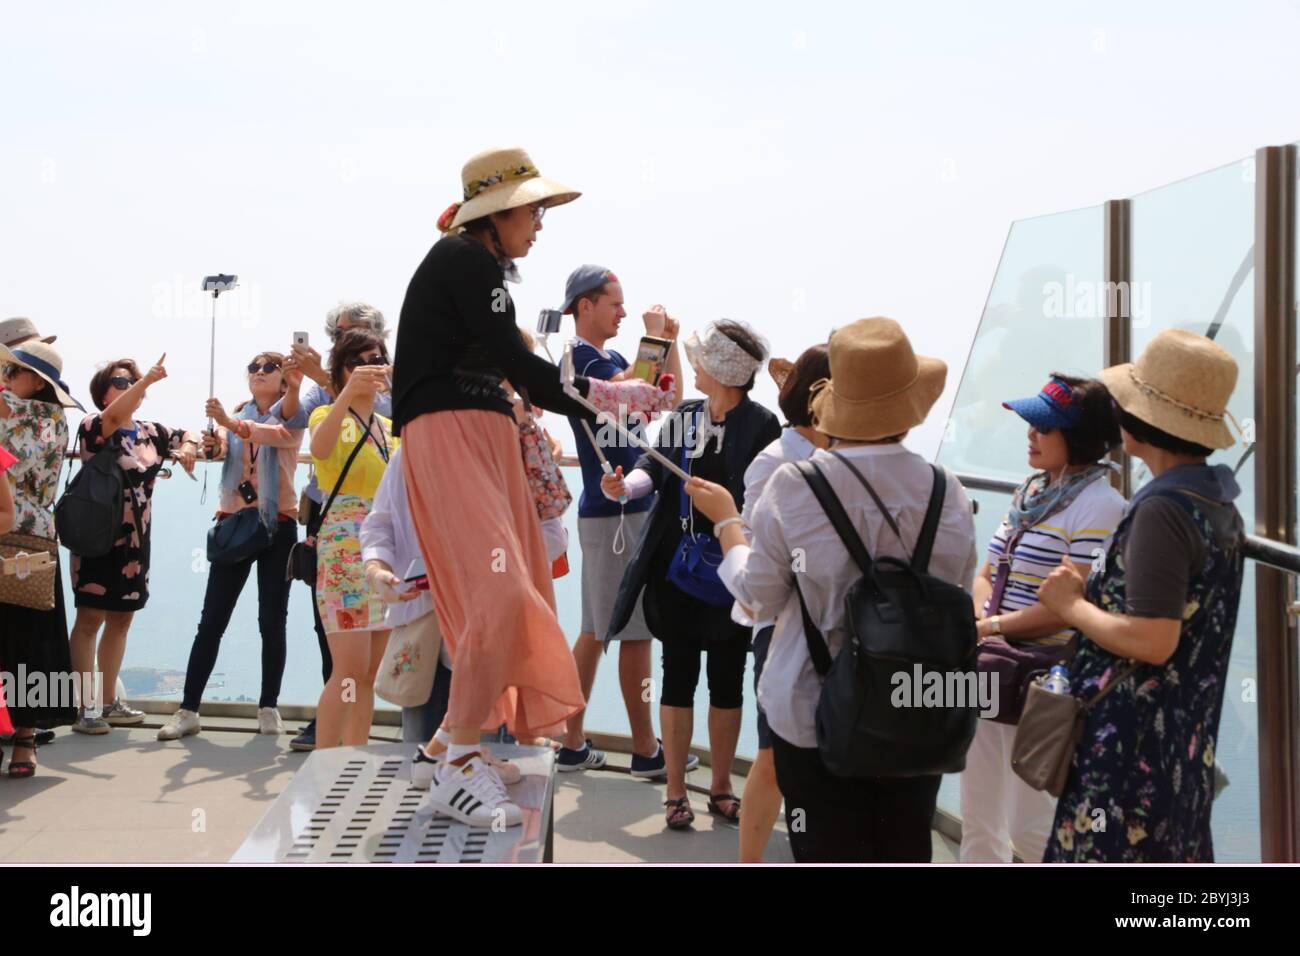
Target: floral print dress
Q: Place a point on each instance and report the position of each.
(119, 580)
(36, 433)
(1142, 780)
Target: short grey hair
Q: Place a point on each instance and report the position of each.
(358, 312)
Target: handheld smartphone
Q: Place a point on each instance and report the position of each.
(220, 283)
(651, 355)
(300, 338)
(548, 321)
(415, 575)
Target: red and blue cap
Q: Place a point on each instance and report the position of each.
(1052, 408)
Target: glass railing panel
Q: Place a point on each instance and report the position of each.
(1045, 313)
(1193, 257)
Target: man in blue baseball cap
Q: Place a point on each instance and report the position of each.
(593, 295)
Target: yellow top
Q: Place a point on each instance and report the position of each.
(368, 468)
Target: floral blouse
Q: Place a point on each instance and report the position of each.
(36, 433)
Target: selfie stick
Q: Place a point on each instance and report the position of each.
(566, 378)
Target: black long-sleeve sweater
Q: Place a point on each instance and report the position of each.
(457, 339)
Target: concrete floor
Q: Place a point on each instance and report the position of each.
(126, 798)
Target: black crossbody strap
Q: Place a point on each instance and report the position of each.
(925, 543)
(835, 512)
(817, 649)
(320, 519)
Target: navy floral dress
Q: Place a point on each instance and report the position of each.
(1146, 759)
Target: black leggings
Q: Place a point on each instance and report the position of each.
(838, 820)
(225, 583)
(689, 628)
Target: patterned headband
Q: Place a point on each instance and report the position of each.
(476, 186)
(722, 358)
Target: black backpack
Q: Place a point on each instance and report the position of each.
(897, 617)
(88, 518)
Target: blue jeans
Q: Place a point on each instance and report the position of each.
(419, 723)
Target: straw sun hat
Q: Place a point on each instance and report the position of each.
(41, 358)
(499, 179)
(878, 386)
(1180, 384)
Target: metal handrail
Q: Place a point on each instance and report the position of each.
(1274, 554)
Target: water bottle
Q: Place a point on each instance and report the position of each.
(1058, 681)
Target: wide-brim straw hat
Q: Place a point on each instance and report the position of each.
(1180, 384)
(41, 358)
(499, 179)
(878, 386)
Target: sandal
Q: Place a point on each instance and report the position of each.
(23, 768)
(680, 815)
(715, 806)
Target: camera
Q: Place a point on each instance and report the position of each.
(247, 492)
(548, 321)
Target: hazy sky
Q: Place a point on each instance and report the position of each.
(796, 165)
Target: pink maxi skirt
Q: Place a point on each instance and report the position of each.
(488, 573)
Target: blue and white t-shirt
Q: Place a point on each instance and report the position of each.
(598, 363)
(1083, 529)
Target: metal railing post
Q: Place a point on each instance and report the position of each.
(1277, 653)
(1118, 331)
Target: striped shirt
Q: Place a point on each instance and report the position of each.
(1083, 530)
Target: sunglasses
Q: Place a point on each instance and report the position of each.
(12, 368)
(357, 361)
(267, 367)
(121, 382)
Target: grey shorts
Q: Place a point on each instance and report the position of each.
(602, 573)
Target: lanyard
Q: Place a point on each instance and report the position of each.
(368, 425)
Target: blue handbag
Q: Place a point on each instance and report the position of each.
(237, 537)
(694, 568)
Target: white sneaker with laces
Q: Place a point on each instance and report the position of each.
(426, 770)
(182, 724)
(269, 722)
(473, 794)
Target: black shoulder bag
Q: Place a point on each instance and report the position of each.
(901, 698)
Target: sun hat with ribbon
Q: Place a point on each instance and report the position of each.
(40, 357)
(878, 386)
(717, 354)
(499, 179)
(20, 329)
(1180, 384)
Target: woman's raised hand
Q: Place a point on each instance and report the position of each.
(292, 373)
(157, 373)
(366, 381)
(214, 410)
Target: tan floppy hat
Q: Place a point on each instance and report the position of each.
(878, 386)
(21, 329)
(499, 179)
(41, 358)
(1180, 384)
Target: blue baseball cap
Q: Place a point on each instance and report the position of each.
(582, 280)
(1052, 408)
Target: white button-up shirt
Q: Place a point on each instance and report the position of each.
(388, 533)
(790, 531)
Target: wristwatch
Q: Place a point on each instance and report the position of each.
(996, 623)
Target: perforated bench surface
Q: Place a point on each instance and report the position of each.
(357, 805)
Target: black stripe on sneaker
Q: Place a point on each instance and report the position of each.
(468, 810)
(455, 797)
(469, 798)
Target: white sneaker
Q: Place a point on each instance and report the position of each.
(182, 724)
(425, 769)
(473, 794)
(269, 722)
